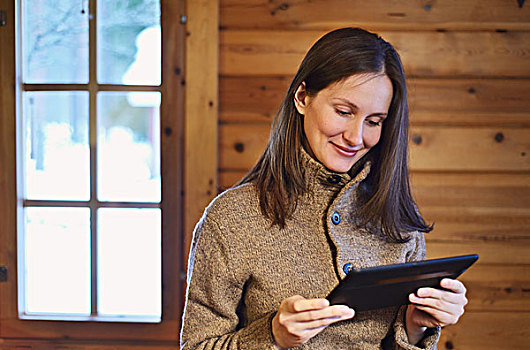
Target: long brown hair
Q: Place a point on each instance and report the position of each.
(386, 199)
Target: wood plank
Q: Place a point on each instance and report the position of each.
(489, 252)
(471, 102)
(495, 96)
(240, 145)
(461, 231)
(488, 330)
(476, 214)
(8, 195)
(439, 148)
(425, 54)
(251, 98)
(477, 189)
(200, 159)
(171, 133)
(72, 345)
(454, 148)
(497, 288)
(378, 14)
(141, 333)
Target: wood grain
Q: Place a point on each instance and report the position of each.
(8, 194)
(488, 330)
(424, 54)
(375, 15)
(69, 345)
(200, 167)
(497, 287)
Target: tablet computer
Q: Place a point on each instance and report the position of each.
(390, 285)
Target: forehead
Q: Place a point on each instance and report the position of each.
(373, 85)
(357, 81)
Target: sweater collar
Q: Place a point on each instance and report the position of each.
(317, 175)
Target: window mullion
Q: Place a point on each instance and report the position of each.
(92, 89)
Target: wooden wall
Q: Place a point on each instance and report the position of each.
(468, 67)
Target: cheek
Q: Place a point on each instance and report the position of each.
(321, 126)
(371, 137)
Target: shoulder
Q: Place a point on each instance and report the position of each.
(241, 196)
(234, 205)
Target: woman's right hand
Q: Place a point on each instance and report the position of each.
(299, 319)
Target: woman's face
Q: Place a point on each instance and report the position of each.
(343, 121)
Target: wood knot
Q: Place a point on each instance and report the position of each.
(449, 345)
(417, 139)
(168, 131)
(239, 147)
(499, 137)
(282, 7)
(471, 90)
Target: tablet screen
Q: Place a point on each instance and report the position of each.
(390, 285)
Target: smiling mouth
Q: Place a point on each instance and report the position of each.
(344, 151)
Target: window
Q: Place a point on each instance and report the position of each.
(201, 71)
(90, 244)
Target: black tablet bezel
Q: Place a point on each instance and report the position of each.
(390, 285)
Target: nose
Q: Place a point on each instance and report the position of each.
(353, 134)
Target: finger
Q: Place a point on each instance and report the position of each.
(334, 312)
(323, 323)
(303, 304)
(443, 295)
(438, 304)
(441, 317)
(454, 285)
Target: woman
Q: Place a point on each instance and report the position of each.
(330, 193)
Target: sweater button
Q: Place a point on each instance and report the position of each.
(335, 218)
(334, 179)
(347, 268)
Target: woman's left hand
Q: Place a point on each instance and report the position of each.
(435, 307)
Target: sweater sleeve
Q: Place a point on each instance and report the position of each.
(400, 337)
(214, 296)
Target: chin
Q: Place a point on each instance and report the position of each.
(339, 168)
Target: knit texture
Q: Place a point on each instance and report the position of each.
(240, 268)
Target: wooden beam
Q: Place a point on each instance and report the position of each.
(375, 15)
(200, 145)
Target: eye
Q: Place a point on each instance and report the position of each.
(342, 112)
(374, 123)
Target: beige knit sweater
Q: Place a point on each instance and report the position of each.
(241, 268)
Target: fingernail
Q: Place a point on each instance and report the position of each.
(349, 313)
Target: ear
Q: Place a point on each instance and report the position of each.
(301, 99)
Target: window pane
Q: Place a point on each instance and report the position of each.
(56, 151)
(57, 260)
(129, 262)
(129, 42)
(55, 41)
(129, 146)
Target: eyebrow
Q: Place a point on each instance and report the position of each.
(345, 100)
